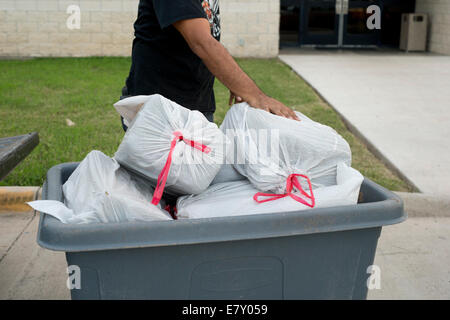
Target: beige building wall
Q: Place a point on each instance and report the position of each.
(251, 27)
(38, 27)
(439, 24)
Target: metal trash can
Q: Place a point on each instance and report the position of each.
(413, 34)
(321, 253)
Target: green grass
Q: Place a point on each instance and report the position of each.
(40, 94)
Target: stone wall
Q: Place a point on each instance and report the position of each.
(39, 28)
(439, 24)
(251, 27)
(32, 28)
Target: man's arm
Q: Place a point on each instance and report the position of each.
(197, 34)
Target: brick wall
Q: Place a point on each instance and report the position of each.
(250, 27)
(439, 26)
(38, 27)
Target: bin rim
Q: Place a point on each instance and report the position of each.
(57, 236)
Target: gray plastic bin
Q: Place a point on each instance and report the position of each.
(312, 254)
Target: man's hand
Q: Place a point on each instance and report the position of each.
(198, 36)
(234, 99)
(273, 106)
(268, 104)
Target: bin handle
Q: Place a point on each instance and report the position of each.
(162, 177)
(291, 182)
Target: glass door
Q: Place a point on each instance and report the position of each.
(337, 23)
(355, 30)
(320, 22)
(289, 22)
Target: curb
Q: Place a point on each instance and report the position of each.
(13, 199)
(425, 205)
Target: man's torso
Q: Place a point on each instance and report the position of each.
(162, 61)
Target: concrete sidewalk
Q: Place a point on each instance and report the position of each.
(414, 260)
(400, 104)
(413, 256)
(28, 271)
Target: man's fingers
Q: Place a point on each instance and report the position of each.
(275, 107)
(234, 97)
(287, 115)
(293, 115)
(279, 112)
(286, 112)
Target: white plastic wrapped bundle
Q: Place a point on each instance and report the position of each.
(227, 174)
(174, 147)
(100, 191)
(271, 150)
(236, 198)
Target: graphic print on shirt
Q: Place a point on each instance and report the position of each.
(212, 12)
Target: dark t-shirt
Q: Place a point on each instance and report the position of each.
(162, 61)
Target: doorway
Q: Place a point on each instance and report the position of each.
(327, 23)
